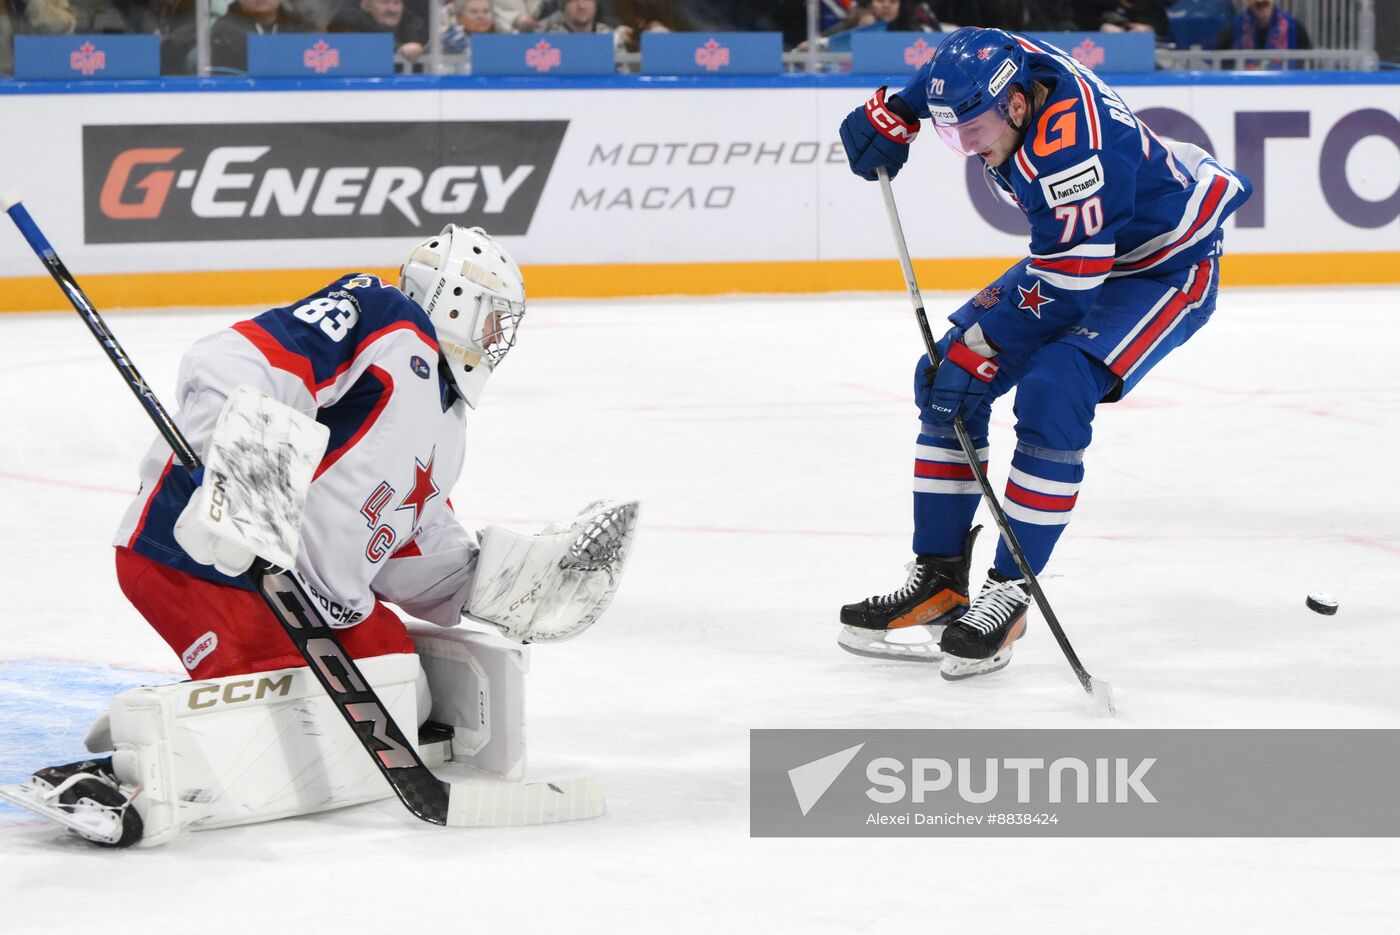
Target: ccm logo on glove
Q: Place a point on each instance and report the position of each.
(974, 363)
(889, 124)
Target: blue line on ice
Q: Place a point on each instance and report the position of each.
(46, 708)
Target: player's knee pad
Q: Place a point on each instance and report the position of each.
(249, 748)
(477, 684)
(1057, 397)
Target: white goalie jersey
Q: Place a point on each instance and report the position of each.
(362, 359)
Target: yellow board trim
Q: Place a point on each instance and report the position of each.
(595, 281)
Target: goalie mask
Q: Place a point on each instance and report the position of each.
(475, 297)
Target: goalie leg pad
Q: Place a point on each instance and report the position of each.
(554, 585)
(243, 749)
(477, 683)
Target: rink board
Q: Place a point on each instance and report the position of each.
(176, 192)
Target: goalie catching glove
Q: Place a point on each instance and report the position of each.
(553, 585)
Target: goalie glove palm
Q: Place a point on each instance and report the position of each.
(554, 585)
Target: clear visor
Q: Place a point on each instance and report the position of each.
(493, 331)
(976, 135)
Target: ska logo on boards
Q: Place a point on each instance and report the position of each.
(712, 56)
(321, 57)
(87, 60)
(542, 57)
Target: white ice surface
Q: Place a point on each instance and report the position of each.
(769, 440)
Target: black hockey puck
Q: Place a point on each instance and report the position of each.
(1322, 604)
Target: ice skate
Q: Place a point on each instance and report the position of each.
(980, 640)
(84, 797)
(934, 595)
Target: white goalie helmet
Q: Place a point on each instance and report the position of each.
(475, 297)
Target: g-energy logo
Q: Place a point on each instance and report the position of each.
(263, 181)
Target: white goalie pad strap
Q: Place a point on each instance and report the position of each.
(250, 748)
(553, 585)
(477, 683)
(258, 465)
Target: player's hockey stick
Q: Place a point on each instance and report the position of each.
(1098, 689)
(424, 794)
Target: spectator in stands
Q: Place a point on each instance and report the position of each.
(1138, 16)
(526, 15)
(228, 37)
(468, 18)
(34, 18)
(638, 16)
(410, 31)
(517, 15)
(1016, 15)
(1264, 26)
(575, 16)
(891, 15)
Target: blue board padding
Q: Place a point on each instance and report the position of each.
(46, 708)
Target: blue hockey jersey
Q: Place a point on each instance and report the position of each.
(1104, 195)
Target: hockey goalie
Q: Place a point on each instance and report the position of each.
(332, 430)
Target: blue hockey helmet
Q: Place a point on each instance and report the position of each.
(969, 86)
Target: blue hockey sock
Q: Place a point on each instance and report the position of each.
(1040, 495)
(945, 493)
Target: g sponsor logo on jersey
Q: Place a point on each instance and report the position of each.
(420, 366)
(1072, 184)
(191, 182)
(1002, 78)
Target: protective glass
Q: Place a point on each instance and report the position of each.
(976, 135)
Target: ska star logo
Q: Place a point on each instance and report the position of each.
(987, 298)
(424, 488)
(1032, 300)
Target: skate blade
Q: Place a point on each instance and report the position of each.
(956, 668)
(102, 824)
(872, 645)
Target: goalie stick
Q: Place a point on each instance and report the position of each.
(1097, 689)
(424, 794)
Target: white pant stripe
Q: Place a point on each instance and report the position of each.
(1035, 517)
(1054, 488)
(1143, 322)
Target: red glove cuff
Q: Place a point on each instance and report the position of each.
(983, 368)
(887, 123)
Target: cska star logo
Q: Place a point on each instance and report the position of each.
(424, 488)
(1032, 300)
(985, 52)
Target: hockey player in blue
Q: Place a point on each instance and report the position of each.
(1122, 269)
